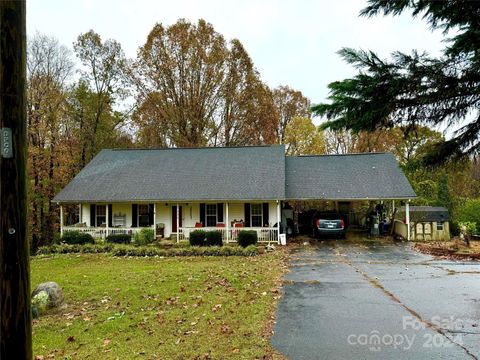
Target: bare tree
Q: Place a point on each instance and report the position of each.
(49, 68)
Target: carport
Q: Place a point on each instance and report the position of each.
(347, 180)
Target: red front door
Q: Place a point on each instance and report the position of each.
(174, 218)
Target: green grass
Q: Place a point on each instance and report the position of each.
(154, 308)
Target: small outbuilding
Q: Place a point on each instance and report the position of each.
(426, 223)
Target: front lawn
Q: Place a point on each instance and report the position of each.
(158, 308)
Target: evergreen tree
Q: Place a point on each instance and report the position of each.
(416, 89)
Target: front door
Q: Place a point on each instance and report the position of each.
(174, 218)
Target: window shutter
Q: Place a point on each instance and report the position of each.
(110, 215)
(220, 212)
(134, 215)
(265, 215)
(150, 214)
(93, 218)
(202, 214)
(247, 214)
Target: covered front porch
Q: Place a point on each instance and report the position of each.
(174, 220)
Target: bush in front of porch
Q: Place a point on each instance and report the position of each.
(77, 237)
(247, 238)
(197, 238)
(205, 238)
(119, 239)
(144, 237)
(121, 250)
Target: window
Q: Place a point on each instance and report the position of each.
(143, 215)
(101, 215)
(211, 215)
(439, 226)
(257, 215)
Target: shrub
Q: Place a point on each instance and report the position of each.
(144, 237)
(129, 250)
(468, 211)
(119, 238)
(214, 238)
(57, 238)
(247, 237)
(77, 237)
(197, 238)
(250, 250)
(467, 228)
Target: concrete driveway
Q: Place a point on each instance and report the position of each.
(371, 300)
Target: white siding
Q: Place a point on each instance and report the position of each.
(272, 213)
(164, 215)
(236, 211)
(85, 214)
(123, 209)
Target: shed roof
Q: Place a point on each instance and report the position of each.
(425, 213)
(346, 177)
(214, 173)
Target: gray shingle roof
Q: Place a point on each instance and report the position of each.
(425, 213)
(243, 173)
(235, 173)
(346, 177)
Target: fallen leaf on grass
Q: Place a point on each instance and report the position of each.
(70, 339)
(106, 342)
(225, 329)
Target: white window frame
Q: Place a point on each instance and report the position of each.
(139, 215)
(440, 226)
(260, 214)
(211, 214)
(97, 224)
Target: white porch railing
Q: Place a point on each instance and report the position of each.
(264, 234)
(101, 232)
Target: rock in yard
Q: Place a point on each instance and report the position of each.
(46, 296)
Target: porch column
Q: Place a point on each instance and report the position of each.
(106, 222)
(61, 220)
(80, 213)
(407, 218)
(279, 219)
(154, 219)
(227, 223)
(178, 223)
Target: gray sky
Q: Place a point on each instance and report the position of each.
(291, 42)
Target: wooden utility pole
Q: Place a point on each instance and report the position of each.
(15, 315)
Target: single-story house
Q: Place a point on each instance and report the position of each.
(426, 223)
(178, 190)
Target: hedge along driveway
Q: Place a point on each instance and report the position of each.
(174, 308)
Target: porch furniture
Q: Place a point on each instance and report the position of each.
(160, 230)
(198, 225)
